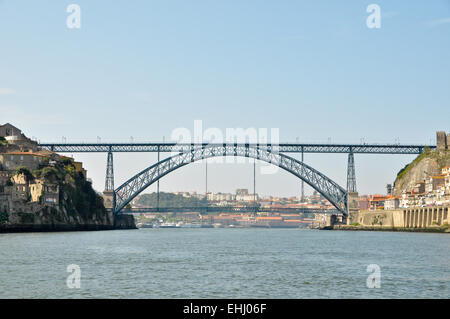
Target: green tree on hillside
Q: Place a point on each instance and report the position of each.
(22, 170)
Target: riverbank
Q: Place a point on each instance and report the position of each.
(421, 219)
(52, 228)
(391, 229)
(121, 222)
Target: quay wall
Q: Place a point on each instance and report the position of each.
(427, 219)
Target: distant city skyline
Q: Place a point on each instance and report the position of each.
(139, 70)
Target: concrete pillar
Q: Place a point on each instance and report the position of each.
(407, 218)
(416, 218)
(411, 218)
(422, 217)
(352, 207)
(419, 218)
(411, 211)
(108, 199)
(417, 223)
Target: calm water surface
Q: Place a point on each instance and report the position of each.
(225, 263)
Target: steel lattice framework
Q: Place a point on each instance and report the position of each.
(351, 175)
(282, 148)
(334, 193)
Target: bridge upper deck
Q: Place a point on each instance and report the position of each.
(282, 147)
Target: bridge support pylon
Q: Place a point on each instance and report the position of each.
(108, 199)
(352, 193)
(351, 174)
(109, 181)
(352, 207)
(108, 194)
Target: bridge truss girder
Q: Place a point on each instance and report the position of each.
(282, 148)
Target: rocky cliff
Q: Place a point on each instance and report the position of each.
(429, 163)
(54, 197)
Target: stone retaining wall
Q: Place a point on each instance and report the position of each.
(424, 218)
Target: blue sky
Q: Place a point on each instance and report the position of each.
(310, 68)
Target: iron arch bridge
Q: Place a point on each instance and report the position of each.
(334, 193)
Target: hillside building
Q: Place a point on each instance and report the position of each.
(11, 161)
(14, 136)
(17, 194)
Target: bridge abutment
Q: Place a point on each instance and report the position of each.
(108, 199)
(352, 207)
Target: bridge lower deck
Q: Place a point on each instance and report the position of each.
(249, 209)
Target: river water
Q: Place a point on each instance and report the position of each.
(225, 263)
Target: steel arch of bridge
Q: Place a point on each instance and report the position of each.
(334, 193)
